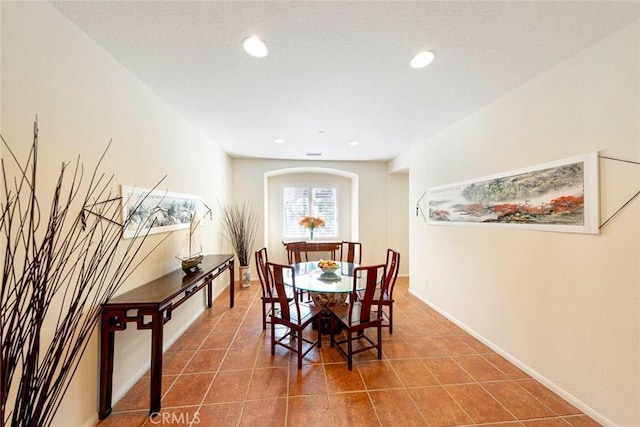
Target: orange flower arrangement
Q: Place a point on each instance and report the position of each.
(311, 222)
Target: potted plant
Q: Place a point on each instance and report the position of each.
(240, 224)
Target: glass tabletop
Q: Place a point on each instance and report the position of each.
(309, 277)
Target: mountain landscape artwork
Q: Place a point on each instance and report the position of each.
(557, 196)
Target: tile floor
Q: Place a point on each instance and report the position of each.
(220, 373)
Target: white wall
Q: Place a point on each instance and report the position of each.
(373, 200)
(83, 98)
(564, 306)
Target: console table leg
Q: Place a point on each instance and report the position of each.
(232, 284)
(156, 362)
(209, 292)
(107, 339)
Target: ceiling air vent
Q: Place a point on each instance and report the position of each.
(314, 154)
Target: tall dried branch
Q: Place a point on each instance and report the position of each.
(57, 275)
(240, 225)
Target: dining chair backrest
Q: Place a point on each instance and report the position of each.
(361, 302)
(277, 274)
(393, 266)
(261, 266)
(296, 252)
(351, 252)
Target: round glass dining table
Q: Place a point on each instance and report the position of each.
(326, 289)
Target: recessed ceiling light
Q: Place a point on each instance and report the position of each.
(423, 59)
(354, 143)
(255, 46)
(278, 140)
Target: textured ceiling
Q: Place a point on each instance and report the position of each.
(338, 71)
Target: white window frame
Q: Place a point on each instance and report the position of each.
(328, 232)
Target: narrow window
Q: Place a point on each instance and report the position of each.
(300, 201)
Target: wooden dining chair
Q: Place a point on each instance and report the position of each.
(351, 252)
(267, 300)
(293, 314)
(384, 294)
(296, 252)
(360, 314)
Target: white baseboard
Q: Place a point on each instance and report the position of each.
(530, 371)
(92, 422)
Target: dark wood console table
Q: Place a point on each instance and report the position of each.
(150, 307)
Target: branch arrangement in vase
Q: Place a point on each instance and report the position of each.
(240, 225)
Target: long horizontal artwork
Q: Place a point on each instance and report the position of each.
(556, 196)
(157, 211)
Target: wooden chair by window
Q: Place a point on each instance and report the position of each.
(384, 295)
(351, 252)
(296, 252)
(267, 300)
(293, 314)
(360, 314)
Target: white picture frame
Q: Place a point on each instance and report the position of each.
(156, 211)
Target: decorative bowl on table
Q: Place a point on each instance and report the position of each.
(328, 267)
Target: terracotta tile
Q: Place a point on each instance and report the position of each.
(478, 404)
(425, 347)
(125, 419)
(188, 389)
(188, 341)
(220, 414)
(308, 380)
(474, 343)
(427, 377)
(452, 345)
(248, 338)
(173, 362)
(379, 375)
(332, 355)
(409, 330)
(396, 408)
(139, 395)
(508, 368)
(478, 367)
(136, 398)
(268, 383)
(581, 421)
(446, 370)
(397, 349)
(205, 361)
(218, 340)
(267, 413)
(517, 400)
(507, 424)
(352, 410)
(549, 398)
(546, 422)
(178, 417)
(413, 373)
(437, 407)
(240, 358)
(432, 328)
(281, 357)
(339, 379)
(229, 386)
(202, 325)
(227, 323)
(308, 410)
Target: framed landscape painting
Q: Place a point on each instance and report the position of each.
(556, 196)
(157, 211)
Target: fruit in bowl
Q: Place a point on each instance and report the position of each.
(328, 266)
